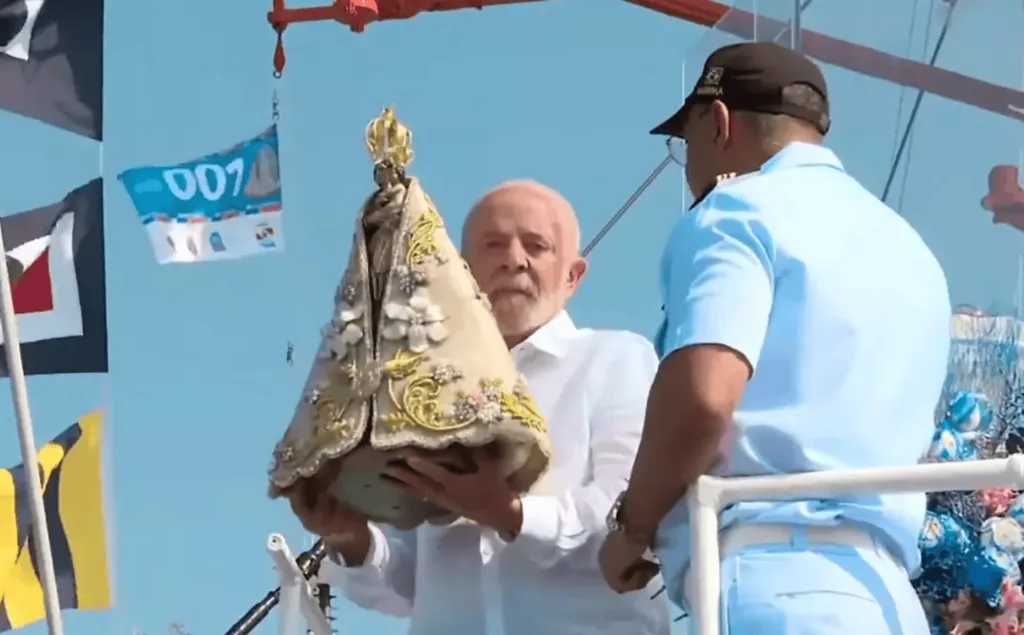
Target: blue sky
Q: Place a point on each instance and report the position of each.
(563, 92)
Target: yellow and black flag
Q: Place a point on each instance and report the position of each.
(70, 468)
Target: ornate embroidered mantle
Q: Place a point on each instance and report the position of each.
(412, 356)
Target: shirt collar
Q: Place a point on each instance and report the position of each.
(799, 154)
(550, 338)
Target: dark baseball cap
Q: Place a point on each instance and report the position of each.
(752, 76)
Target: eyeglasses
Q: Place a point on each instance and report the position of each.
(677, 145)
(676, 150)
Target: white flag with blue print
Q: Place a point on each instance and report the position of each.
(222, 206)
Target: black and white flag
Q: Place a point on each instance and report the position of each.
(51, 62)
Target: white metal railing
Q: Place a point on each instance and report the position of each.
(297, 597)
(711, 494)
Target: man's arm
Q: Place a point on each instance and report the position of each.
(386, 580)
(555, 526)
(718, 301)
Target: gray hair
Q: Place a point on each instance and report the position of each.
(777, 130)
(536, 187)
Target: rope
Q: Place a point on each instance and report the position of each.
(910, 143)
(658, 170)
(625, 207)
(794, 21)
(917, 107)
(906, 54)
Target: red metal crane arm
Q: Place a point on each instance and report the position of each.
(347, 11)
(1000, 100)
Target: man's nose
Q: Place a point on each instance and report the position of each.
(516, 258)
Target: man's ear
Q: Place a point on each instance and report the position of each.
(576, 271)
(723, 120)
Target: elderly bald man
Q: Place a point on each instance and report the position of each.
(526, 566)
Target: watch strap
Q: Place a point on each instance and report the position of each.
(618, 522)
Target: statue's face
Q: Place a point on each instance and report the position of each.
(521, 247)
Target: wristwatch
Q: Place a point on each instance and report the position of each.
(617, 522)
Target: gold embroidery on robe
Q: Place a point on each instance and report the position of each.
(412, 357)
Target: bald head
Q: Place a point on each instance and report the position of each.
(522, 242)
(545, 200)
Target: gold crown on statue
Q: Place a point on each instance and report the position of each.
(388, 141)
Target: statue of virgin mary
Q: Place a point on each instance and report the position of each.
(411, 358)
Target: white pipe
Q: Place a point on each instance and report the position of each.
(710, 494)
(19, 395)
(297, 596)
(704, 555)
(289, 620)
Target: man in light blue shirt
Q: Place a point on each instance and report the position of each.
(806, 328)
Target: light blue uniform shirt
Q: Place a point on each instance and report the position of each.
(844, 314)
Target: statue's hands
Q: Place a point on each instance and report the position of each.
(482, 496)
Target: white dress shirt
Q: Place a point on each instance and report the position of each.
(464, 580)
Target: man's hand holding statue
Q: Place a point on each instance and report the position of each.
(481, 496)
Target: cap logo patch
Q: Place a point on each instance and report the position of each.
(710, 84)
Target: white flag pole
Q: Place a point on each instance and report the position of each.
(19, 394)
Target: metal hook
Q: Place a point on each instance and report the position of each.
(279, 56)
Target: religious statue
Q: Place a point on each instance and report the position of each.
(412, 358)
